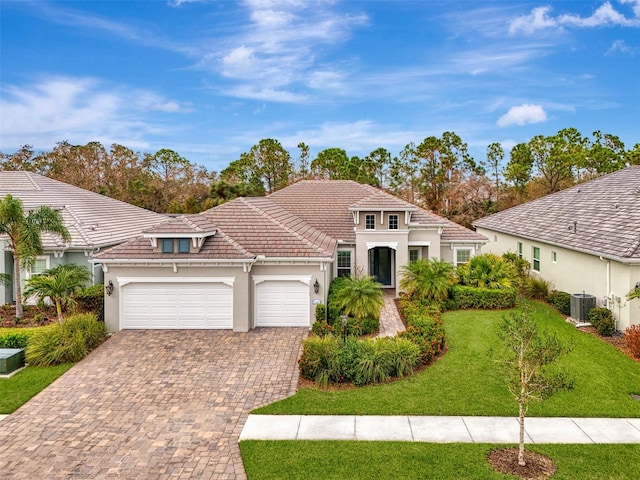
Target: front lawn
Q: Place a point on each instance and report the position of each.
(467, 381)
(327, 460)
(17, 390)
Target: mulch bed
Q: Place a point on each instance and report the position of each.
(505, 460)
(617, 341)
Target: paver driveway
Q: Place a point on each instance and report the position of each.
(152, 405)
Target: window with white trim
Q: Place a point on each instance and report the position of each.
(414, 255)
(40, 264)
(554, 256)
(344, 263)
(535, 254)
(393, 222)
(463, 255)
(519, 249)
(370, 222)
(167, 245)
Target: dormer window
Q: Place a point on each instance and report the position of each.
(370, 222)
(393, 222)
(167, 245)
(183, 245)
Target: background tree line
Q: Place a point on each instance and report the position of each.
(438, 173)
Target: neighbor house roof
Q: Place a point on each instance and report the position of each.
(601, 217)
(326, 205)
(93, 220)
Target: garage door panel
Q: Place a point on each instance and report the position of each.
(282, 303)
(176, 305)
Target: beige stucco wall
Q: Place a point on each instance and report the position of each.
(576, 272)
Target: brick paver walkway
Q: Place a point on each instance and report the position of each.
(152, 405)
(390, 321)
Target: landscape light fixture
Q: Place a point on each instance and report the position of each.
(109, 288)
(316, 286)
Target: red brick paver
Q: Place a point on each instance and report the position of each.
(152, 405)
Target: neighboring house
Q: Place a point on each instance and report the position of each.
(94, 221)
(585, 239)
(267, 261)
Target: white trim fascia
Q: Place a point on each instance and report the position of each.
(383, 209)
(266, 260)
(122, 281)
(419, 243)
(464, 242)
(180, 234)
(167, 262)
(392, 245)
(382, 232)
(306, 279)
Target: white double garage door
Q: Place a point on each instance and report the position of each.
(149, 304)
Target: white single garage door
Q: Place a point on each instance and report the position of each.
(282, 304)
(177, 305)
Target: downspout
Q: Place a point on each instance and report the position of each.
(608, 282)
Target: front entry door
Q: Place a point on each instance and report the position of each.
(380, 259)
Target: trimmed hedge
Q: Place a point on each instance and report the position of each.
(14, 339)
(561, 300)
(465, 297)
(328, 358)
(602, 319)
(91, 299)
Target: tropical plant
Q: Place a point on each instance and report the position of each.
(634, 293)
(428, 279)
(488, 271)
(24, 236)
(58, 284)
(537, 288)
(360, 297)
(527, 359)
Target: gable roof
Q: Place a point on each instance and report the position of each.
(326, 204)
(601, 217)
(93, 220)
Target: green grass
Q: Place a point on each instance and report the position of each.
(266, 460)
(4, 330)
(467, 381)
(17, 390)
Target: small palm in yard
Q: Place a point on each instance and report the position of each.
(58, 284)
(360, 297)
(488, 271)
(428, 279)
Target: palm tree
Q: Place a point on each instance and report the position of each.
(428, 279)
(360, 297)
(635, 293)
(488, 271)
(58, 284)
(24, 236)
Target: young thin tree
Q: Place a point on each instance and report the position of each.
(527, 361)
(24, 240)
(58, 284)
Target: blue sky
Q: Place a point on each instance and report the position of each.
(210, 78)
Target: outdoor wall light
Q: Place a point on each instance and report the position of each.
(316, 286)
(109, 288)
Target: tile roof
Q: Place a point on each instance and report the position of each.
(601, 216)
(93, 220)
(184, 224)
(325, 205)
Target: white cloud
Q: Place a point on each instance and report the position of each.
(78, 110)
(605, 15)
(522, 115)
(622, 47)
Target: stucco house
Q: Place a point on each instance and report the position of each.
(94, 221)
(268, 261)
(585, 239)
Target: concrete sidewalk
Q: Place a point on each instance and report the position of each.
(440, 429)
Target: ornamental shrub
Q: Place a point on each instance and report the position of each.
(465, 297)
(322, 328)
(602, 319)
(536, 288)
(561, 300)
(91, 299)
(67, 342)
(632, 339)
(321, 312)
(14, 340)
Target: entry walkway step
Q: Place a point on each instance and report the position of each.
(440, 429)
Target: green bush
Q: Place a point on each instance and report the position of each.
(91, 299)
(465, 297)
(14, 340)
(602, 319)
(318, 361)
(355, 326)
(322, 328)
(321, 312)
(67, 342)
(536, 288)
(561, 300)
